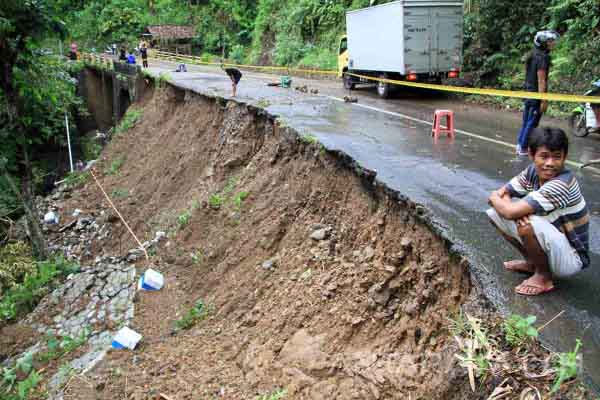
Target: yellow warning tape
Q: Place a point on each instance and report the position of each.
(568, 98)
(489, 92)
(197, 60)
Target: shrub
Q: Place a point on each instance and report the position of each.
(76, 178)
(16, 262)
(194, 315)
(237, 53)
(23, 297)
(90, 148)
(131, 117)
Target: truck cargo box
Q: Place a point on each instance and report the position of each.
(407, 36)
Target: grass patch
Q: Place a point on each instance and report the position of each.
(197, 313)
(263, 103)
(163, 79)
(308, 139)
(120, 193)
(57, 348)
(23, 297)
(131, 117)
(276, 395)
(116, 165)
(76, 179)
(13, 389)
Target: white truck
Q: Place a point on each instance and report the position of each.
(414, 40)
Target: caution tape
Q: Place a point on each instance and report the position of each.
(488, 92)
(198, 60)
(568, 98)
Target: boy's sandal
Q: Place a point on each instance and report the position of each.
(527, 289)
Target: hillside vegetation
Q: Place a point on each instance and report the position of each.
(306, 32)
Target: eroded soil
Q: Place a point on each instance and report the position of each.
(357, 311)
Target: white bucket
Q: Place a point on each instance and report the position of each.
(151, 280)
(126, 339)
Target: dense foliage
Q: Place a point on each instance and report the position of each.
(305, 32)
(499, 34)
(35, 93)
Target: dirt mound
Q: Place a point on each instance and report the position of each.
(316, 279)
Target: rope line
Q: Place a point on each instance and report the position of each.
(119, 214)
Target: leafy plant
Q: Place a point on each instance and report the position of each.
(76, 179)
(194, 315)
(239, 198)
(120, 193)
(131, 117)
(231, 184)
(16, 262)
(308, 139)
(183, 219)
(197, 257)
(276, 395)
(23, 297)
(519, 330)
(90, 148)
(215, 201)
(116, 165)
(566, 366)
(25, 387)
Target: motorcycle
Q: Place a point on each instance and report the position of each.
(583, 120)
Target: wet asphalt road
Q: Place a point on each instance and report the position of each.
(452, 178)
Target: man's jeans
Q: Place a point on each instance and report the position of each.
(531, 119)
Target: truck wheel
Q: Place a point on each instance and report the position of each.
(348, 84)
(383, 88)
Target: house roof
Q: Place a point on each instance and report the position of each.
(171, 31)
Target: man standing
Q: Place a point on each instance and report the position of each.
(144, 54)
(537, 66)
(235, 75)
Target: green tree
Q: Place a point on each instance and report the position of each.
(34, 94)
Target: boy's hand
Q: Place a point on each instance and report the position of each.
(523, 221)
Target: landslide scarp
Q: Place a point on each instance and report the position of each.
(317, 279)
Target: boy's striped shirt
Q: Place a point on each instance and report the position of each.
(560, 201)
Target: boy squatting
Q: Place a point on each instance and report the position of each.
(543, 214)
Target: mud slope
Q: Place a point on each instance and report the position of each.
(357, 311)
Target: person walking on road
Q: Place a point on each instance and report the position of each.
(549, 221)
(131, 58)
(122, 54)
(144, 54)
(235, 75)
(537, 66)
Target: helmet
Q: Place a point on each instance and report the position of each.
(543, 37)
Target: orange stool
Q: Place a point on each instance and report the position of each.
(437, 123)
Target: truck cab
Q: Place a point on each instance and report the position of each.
(342, 62)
